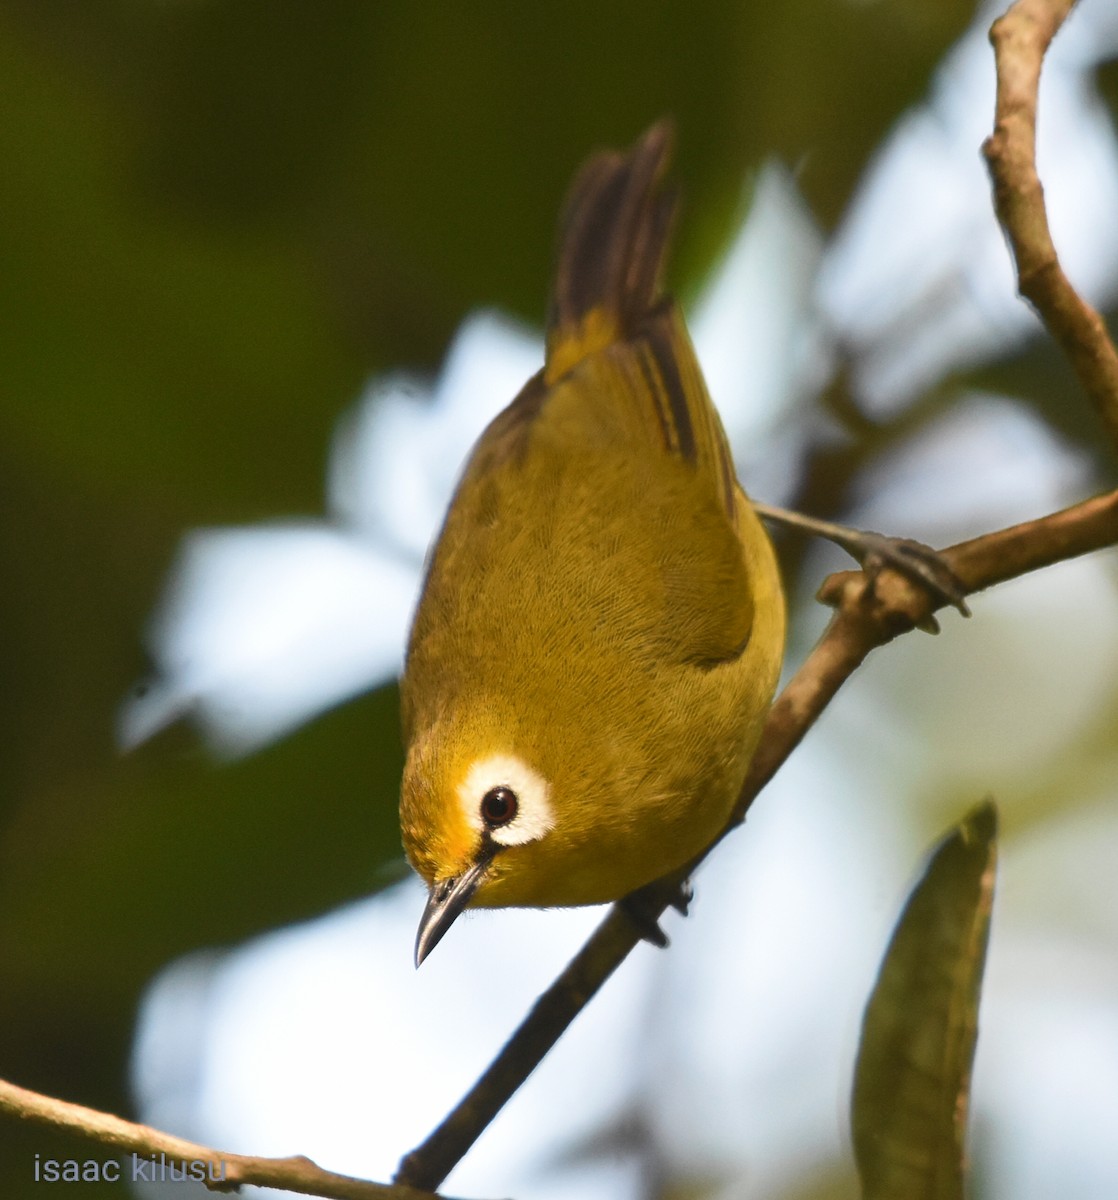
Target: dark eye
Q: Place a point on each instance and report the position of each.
(498, 806)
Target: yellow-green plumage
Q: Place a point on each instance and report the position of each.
(602, 602)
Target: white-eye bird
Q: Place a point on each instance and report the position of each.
(602, 623)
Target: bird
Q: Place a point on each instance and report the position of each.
(600, 628)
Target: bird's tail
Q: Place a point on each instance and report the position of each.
(613, 235)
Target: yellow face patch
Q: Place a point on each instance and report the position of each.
(438, 839)
(438, 842)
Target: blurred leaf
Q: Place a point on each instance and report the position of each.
(912, 1079)
(1038, 374)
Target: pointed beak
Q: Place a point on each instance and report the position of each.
(446, 901)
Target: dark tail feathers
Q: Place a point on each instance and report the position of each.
(613, 235)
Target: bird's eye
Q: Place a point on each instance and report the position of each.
(498, 806)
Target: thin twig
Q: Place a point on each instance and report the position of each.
(872, 612)
(869, 613)
(1020, 40)
(606, 949)
(220, 1171)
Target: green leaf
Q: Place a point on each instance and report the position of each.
(912, 1079)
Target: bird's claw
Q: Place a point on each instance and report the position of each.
(644, 906)
(682, 897)
(916, 561)
(873, 551)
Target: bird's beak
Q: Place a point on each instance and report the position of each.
(447, 899)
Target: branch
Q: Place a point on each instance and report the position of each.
(869, 613)
(872, 612)
(1020, 39)
(223, 1172)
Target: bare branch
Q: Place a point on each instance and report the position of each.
(1020, 40)
(224, 1172)
(607, 948)
(872, 612)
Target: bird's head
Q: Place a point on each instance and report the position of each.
(473, 825)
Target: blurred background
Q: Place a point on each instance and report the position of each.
(222, 227)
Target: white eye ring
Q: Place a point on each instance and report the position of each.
(534, 815)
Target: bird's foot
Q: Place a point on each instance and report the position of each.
(875, 551)
(645, 906)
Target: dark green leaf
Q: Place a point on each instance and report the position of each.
(912, 1080)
